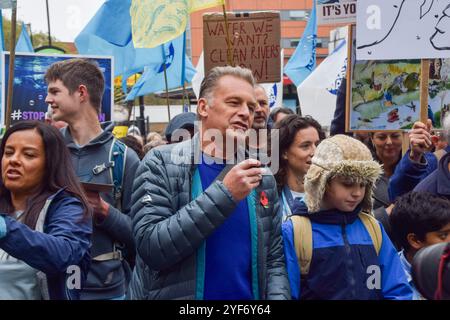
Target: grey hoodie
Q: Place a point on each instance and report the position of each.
(106, 279)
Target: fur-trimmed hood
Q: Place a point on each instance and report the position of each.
(341, 156)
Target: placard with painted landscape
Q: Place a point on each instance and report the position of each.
(383, 94)
(439, 91)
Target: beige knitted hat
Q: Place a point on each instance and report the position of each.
(344, 156)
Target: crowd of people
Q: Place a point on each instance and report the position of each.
(201, 213)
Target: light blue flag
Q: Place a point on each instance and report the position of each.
(152, 80)
(303, 61)
(2, 37)
(24, 43)
(7, 4)
(108, 33)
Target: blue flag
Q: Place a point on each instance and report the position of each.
(108, 33)
(7, 4)
(303, 60)
(152, 80)
(2, 37)
(24, 43)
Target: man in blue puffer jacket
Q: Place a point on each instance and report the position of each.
(202, 231)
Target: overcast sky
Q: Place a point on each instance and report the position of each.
(67, 17)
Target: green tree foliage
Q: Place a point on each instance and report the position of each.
(38, 39)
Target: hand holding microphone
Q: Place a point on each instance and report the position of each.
(243, 178)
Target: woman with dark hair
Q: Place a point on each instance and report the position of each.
(386, 148)
(45, 223)
(299, 137)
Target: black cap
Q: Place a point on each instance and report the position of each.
(184, 120)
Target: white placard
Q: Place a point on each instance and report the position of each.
(402, 29)
(336, 11)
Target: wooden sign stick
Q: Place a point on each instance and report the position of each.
(424, 76)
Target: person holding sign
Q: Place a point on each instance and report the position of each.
(416, 164)
(199, 213)
(438, 182)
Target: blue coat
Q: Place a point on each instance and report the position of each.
(65, 242)
(408, 174)
(170, 228)
(439, 181)
(342, 254)
(106, 279)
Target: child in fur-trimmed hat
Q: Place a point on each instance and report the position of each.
(341, 160)
(334, 248)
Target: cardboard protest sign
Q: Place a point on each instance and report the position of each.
(336, 11)
(254, 42)
(30, 88)
(400, 29)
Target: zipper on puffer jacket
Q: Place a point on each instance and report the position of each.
(348, 260)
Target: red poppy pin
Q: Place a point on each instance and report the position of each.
(264, 200)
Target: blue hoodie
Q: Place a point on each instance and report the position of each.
(106, 279)
(342, 260)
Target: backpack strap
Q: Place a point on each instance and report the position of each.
(303, 238)
(373, 227)
(302, 242)
(117, 158)
(41, 276)
(117, 167)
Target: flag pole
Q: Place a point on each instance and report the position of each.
(183, 70)
(48, 25)
(12, 55)
(424, 76)
(166, 82)
(229, 55)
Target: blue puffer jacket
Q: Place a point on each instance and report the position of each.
(64, 243)
(342, 254)
(170, 228)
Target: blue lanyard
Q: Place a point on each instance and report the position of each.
(288, 197)
(288, 201)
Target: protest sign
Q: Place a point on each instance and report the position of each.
(30, 88)
(382, 94)
(400, 29)
(254, 42)
(336, 11)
